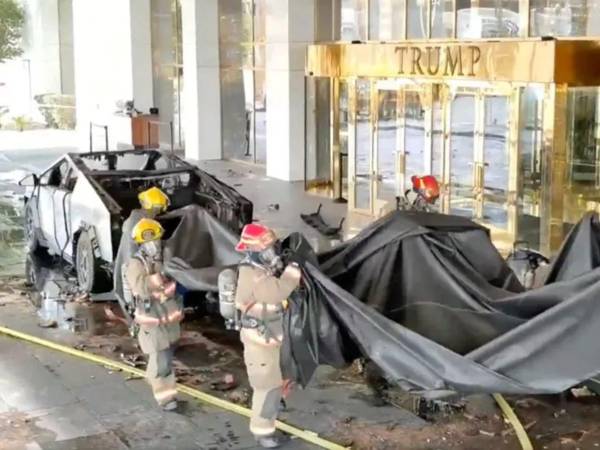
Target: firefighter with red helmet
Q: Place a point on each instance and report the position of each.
(263, 287)
(426, 187)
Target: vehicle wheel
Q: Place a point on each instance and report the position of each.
(31, 240)
(90, 275)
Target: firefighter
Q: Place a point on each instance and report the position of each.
(261, 296)
(153, 202)
(158, 310)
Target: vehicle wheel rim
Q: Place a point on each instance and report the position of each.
(83, 267)
(29, 229)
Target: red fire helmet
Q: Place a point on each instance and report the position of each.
(427, 186)
(256, 238)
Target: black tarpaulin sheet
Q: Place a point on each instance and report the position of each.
(430, 300)
(197, 247)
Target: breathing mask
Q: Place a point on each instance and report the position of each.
(152, 249)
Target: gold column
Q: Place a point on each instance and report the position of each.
(334, 130)
(400, 136)
(554, 177)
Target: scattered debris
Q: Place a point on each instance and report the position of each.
(50, 323)
(582, 392)
(133, 377)
(557, 414)
(511, 430)
(226, 384)
(487, 433)
(135, 360)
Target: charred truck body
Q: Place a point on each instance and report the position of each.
(76, 208)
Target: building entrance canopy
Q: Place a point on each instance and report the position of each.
(574, 62)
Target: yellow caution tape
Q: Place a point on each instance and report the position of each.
(514, 421)
(305, 435)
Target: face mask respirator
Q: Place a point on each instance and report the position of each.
(152, 249)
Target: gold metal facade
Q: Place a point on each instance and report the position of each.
(511, 129)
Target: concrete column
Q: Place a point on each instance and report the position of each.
(290, 28)
(201, 90)
(113, 61)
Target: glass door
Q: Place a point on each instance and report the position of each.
(387, 136)
(463, 147)
(361, 198)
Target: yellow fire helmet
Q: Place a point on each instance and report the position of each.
(154, 200)
(147, 230)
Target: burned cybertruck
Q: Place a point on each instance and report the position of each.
(76, 208)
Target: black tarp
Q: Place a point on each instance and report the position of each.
(197, 246)
(432, 303)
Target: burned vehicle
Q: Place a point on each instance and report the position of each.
(76, 208)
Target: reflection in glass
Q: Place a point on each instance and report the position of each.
(489, 19)
(416, 22)
(167, 69)
(387, 138)
(414, 137)
(496, 158)
(362, 160)
(560, 17)
(442, 16)
(437, 153)
(318, 148)
(530, 165)
(386, 20)
(583, 152)
(462, 147)
(344, 118)
(243, 95)
(354, 20)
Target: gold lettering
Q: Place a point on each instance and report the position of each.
(416, 61)
(431, 68)
(475, 57)
(453, 62)
(401, 51)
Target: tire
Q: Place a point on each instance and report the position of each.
(91, 278)
(31, 240)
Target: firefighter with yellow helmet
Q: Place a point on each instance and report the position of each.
(263, 287)
(153, 202)
(158, 311)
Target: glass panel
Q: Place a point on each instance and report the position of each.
(260, 117)
(530, 165)
(491, 18)
(414, 135)
(236, 116)
(462, 144)
(417, 19)
(362, 161)
(387, 139)
(354, 20)
(496, 158)
(386, 20)
(583, 165)
(344, 118)
(442, 16)
(437, 153)
(166, 39)
(318, 148)
(558, 17)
